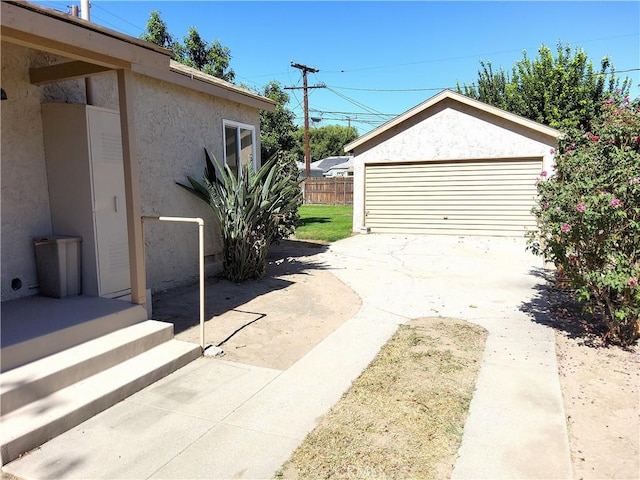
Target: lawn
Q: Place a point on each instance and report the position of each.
(404, 416)
(326, 223)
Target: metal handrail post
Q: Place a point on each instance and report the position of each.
(200, 223)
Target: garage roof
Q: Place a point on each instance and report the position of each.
(451, 95)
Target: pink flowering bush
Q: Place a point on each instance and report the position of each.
(589, 217)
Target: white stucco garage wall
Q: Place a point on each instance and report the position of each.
(447, 131)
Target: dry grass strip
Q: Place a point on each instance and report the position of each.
(404, 416)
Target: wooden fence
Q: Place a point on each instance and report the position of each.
(328, 191)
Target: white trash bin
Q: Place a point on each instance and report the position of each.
(58, 262)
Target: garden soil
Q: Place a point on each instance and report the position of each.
(271, 322)
(274, 321)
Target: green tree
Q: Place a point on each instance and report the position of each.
(276, 128)
(327, 141)
(562, 90)
(213, 59)
(156, 31)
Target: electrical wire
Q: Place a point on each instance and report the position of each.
(137, 27)
(462, 57)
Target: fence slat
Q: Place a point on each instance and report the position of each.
(328, 191)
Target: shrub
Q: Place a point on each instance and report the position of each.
(287, 169)
(589, 217)
(249, 209)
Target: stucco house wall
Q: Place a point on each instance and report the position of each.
(25, 195)
(447, 131)
(173, 126)
(168, 151)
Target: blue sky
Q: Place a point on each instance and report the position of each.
(384, 57)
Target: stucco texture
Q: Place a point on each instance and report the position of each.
(448, 131)
(25, 195)
(173, 126)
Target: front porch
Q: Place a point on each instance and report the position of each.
(65, 360)
(35, 327)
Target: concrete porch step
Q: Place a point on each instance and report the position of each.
(35, 423)
(35, 327)
(36, 380)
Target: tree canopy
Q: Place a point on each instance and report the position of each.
(276, 128)
(327, 141)
(212, 58)
(562, 91)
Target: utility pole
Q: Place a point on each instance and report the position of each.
(305, 69)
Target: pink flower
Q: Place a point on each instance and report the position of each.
(637, 139)
(633, 282)
(552, 151)
(581, 208)
(545, 205)
(543, 173)
(595, 138)
(609, 101)
(635, 181)
(615, 203)
(565, 227)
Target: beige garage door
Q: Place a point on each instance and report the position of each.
(477, 197)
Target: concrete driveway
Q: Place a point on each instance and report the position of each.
(220, 419)
(516, 426)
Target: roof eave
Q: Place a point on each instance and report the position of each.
(48, 30)
(545, 130)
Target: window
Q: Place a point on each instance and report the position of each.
(239, 145)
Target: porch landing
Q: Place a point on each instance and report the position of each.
(65, 360)
(35, 327)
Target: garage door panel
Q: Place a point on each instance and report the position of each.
(496, 203)
(484, 184)
(494, 197)
(460, 167)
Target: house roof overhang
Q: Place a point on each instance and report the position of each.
(94, 49)
(51, 31)
(462, 99)
(194, 79)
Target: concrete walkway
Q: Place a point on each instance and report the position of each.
(218, 419)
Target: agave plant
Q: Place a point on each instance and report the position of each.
(249, 208)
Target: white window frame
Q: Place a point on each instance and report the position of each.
(238, 127)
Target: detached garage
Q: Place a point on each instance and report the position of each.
(452, 165)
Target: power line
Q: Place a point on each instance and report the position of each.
(355, 102)
(425, 89)
(93, 4)
(462, 57)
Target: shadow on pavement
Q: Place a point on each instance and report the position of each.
(180, 305)
(555, 306)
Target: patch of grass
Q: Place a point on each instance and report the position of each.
(404, 416)
(326, 223)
